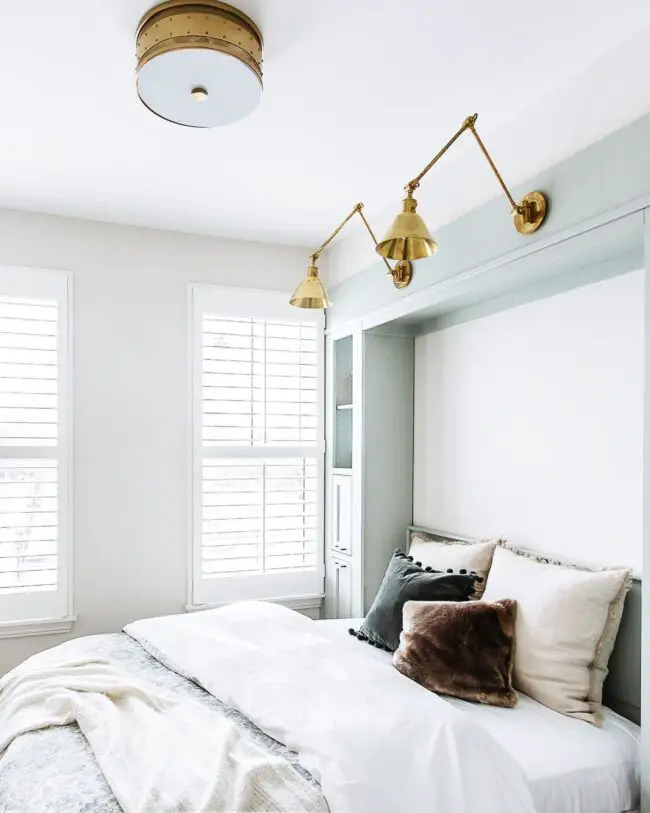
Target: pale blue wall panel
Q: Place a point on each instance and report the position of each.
(600, 178)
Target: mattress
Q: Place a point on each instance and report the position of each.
(571, 766)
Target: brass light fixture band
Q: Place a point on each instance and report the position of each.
(209, 43)
(179, 24)
(193, 5)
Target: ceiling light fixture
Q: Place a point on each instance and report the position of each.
(311, 293)
(409, 239)
(199, 63)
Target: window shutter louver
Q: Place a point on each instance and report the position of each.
(258, 517)
(259, 382)
(258, 482)
(28, 417)
(33, 460)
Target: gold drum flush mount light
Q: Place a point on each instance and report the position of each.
(311, 293)
(199, 63)
(409, 239)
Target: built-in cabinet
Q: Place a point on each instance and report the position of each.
(369, 493)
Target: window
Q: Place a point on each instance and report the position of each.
(35, 542)
(258, 447)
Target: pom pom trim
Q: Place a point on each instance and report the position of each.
(361, 636)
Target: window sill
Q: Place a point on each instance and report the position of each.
(37, 626)
(292, 602)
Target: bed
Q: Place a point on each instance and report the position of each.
(571, 767)
(568, 765)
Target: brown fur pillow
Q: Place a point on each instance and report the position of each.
(462, 649)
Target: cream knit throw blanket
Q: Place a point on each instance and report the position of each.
(158, 753)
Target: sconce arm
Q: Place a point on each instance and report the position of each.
(401, 273)
(468, 124)
(348, 217)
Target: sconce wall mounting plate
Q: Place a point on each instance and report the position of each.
(531, 213)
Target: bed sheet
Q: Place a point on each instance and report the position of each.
(571, 766)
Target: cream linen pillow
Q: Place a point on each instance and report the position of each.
(441, 553)
(567, 621)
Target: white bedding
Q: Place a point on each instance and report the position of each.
(571, 766)
(376, 741)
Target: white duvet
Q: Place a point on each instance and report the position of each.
(376, 741)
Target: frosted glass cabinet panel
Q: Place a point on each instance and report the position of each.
(343, 402)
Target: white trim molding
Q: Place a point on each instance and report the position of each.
(37, 626)
(292, 602)
(206, 591)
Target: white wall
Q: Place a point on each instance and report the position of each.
(529, 424)
(130, 410)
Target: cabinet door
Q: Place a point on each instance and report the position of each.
(338, 589)
(344, 570)
(341, 536)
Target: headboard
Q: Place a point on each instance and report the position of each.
(622, 691)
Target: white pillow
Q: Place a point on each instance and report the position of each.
(441, 554)
(567, 621)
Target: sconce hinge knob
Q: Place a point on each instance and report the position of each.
(530, 213)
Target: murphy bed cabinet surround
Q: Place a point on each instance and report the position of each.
(369, 463)
(598, 226)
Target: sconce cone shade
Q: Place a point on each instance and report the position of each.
(311, 292)
(408, 238)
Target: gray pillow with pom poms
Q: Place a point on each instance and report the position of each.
(406, 580)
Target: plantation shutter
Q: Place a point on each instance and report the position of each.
(33, 446)
(258, 447)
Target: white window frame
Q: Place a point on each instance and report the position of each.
(289, 588)
(36, 613)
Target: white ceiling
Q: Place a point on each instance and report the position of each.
(358, 95)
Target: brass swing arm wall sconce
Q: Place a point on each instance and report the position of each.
(409, 238)
(311, 292)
